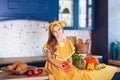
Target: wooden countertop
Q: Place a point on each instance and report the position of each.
(114, 62)
(24, 59)
(8, 76)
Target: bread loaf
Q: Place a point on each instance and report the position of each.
(17, 65)
(14, 65)
(9, 67)
(21, 66)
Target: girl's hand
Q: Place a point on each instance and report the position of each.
(61, 67)
(70, 66)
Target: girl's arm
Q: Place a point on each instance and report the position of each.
(51, 60)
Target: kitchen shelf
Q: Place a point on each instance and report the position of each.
(33, 61)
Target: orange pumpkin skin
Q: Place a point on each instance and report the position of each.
(91, 59)
(65, 66)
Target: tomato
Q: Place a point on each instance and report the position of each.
(40, 71)
(35, 72)
(29, 73)
(65, 66)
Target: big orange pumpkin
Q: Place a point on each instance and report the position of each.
(91, 59)
(65, 66)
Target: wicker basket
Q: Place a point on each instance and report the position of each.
(82, 48)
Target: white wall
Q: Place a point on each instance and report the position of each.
(25, 38)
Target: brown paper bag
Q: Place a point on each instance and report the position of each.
(73, 40)
(82, 48)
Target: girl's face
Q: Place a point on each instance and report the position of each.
(57, 31)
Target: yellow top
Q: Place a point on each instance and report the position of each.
(65, 51)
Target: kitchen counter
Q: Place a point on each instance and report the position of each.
(9, 76)
(29, 60)
(114, 62)
(44, 76)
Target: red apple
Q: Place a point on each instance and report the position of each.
(29, 73)
(40, 71)
(35, 72)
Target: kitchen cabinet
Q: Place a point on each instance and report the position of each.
(78, 14)
(29, 9)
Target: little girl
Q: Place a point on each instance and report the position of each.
(59, 50)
